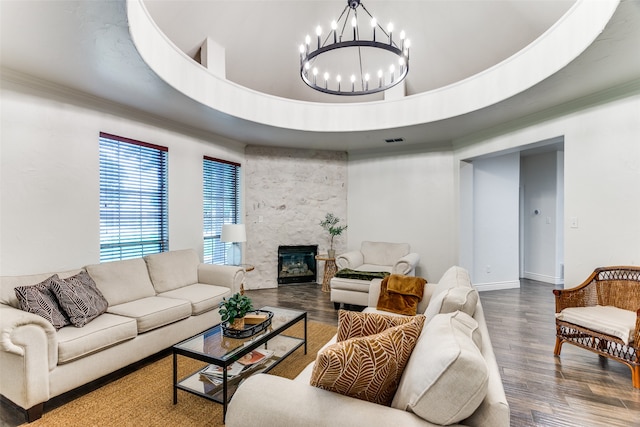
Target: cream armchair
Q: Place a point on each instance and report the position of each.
(393, 258)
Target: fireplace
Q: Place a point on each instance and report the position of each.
(297, 264)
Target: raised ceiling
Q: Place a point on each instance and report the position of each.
(84, 48)
(451, 40)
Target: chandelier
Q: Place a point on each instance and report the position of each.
(354, 59)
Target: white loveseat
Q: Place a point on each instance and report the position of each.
(393, 258)
(440, 380)
(153, 303)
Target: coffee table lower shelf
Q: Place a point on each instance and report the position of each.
(195, 384)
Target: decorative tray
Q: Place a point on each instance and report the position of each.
(249, 330)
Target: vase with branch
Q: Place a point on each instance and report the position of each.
(331, 224)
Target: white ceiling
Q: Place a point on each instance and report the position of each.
(451, 40)
(84, 48)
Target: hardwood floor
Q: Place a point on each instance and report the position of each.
(575, 389)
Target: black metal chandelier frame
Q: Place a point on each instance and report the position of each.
(366, 87)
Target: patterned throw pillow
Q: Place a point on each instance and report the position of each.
(354, 324)
(80, 298)
(367, 368)
(39, 299)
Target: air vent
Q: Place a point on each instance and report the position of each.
(392, 140)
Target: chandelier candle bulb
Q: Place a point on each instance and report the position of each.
(374, 24)
(319, 33)
(354, 24)
(334, 27)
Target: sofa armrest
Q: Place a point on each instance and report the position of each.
(268, 400)
(230, 276)
(374, 292)
(351, 260)
(16, 335)
(28, 351)
(406, 265)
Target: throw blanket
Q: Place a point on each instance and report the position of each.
(401, 294)
(347, 273)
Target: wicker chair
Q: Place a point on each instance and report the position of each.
(607, 286)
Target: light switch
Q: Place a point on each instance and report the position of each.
(573, 222)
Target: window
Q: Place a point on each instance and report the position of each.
(221, 205)
(133, 198)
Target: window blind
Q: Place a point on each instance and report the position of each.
(221, 204)
(133, 198)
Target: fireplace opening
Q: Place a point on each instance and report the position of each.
(297, 264)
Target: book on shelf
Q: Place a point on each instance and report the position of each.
(256, 356)
(255, 318)
(217, 371)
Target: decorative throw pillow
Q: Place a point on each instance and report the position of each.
(367, 368)
(354, 324)
(80, 298)
(40, 299)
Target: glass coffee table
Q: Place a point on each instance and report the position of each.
(229, 358)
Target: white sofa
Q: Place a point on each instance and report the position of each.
(153, 303)
(393, 258)
(297, 403)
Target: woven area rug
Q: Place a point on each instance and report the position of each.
(144, 397)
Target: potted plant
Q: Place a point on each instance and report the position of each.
(232, 310)
(331, 224)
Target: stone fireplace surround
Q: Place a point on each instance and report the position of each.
(287, 193)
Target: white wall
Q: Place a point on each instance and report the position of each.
(495, 222)
(49, 178)
(601, 177)
(405, 197)
(540, 178)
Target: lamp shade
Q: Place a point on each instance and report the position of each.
(233, 233)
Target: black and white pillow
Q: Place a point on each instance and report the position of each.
(39, 299)
(80, 298)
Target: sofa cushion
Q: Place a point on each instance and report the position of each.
(455, 276)
(350, 284)
(383, 253)
(367, 368)
(40, 299)
(202, 297)
(122, 281)
(80, 298)
(354, 324)
(446, 367)
(607, 319)
(104, 331)
(173, 269)
(453, 299)
(153, 312)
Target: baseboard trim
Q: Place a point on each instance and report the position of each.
(496, 286)
(543, 278)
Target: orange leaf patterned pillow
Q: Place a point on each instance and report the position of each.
(353, 324)
(368, 368)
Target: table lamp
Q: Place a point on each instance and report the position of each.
(233, 233)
